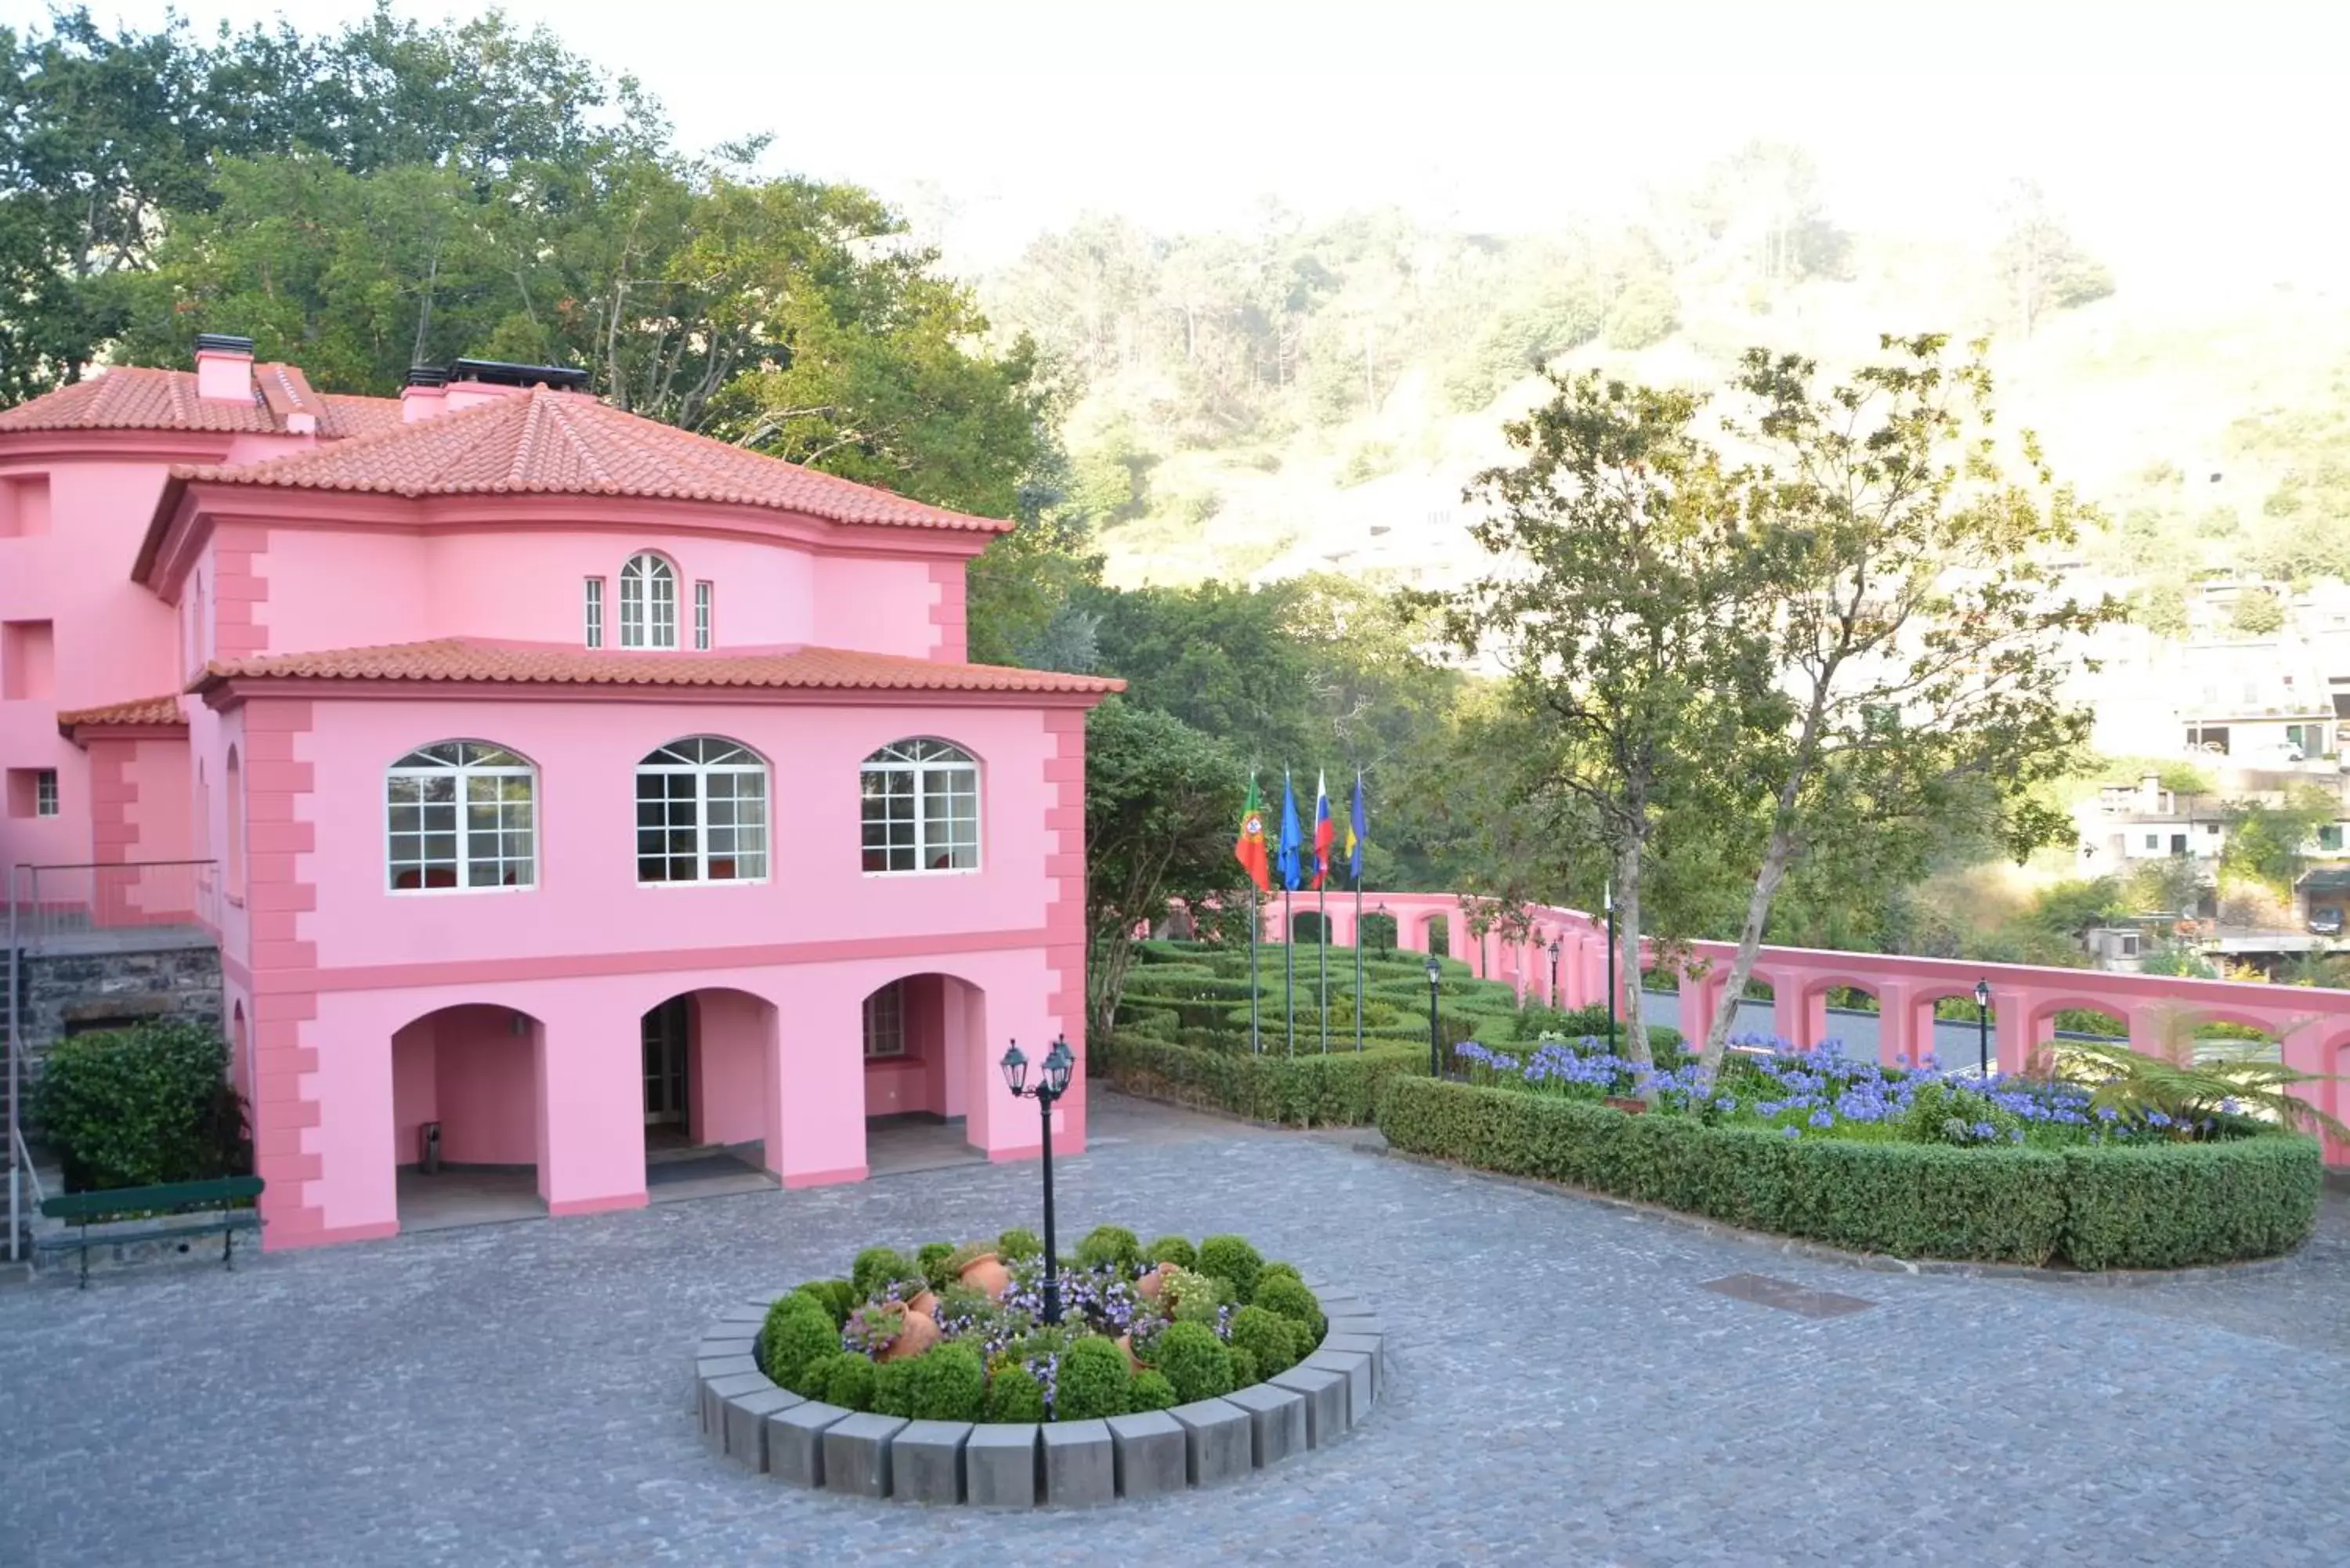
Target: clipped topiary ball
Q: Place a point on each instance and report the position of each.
(1244, 1370)
(950, 1383)
(797, 1331)
(932, 1259)
(1019, 1243)
(1269, 1338)
(1172, 1250)
(1105, 1245)
(893, 1387)
(849, 1381)
(1272, 1269)
(1292, 1300)
(875, 1268)
(1150, 1391)
(1015, 1395)
(1093, 1381)
(1232, 1259)
(1194, 1362)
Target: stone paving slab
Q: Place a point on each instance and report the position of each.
(510, 1394)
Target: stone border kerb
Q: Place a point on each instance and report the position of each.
(770, 1430)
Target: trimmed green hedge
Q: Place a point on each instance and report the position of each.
(1341, 1089)
(2098, 1208)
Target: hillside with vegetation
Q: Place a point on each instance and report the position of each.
(1298, 397)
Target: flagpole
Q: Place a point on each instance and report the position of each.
(1358, 963)
(1289, 960)
(1256, 927)
(1322, 914)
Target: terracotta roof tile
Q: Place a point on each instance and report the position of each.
(804, 668)
(143, 711)
(545, 442)
(138, 396)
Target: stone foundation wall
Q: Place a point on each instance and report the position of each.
(77, 992)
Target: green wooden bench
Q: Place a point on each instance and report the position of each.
(223, 1194)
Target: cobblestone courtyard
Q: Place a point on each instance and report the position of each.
(516, 1394)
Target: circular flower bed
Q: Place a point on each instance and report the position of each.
(940, 1376)
(960, 1333)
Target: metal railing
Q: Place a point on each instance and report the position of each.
(50, 906)
(50, 903)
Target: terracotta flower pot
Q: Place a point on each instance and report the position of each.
(918, 1333)
(1133, 1362)
(1148, 1286)
(927, 1304)
(1630, 1107)
(987, 1273)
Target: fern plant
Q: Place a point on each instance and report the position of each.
(2186, 1097)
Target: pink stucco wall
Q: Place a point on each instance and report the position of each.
(588, 900)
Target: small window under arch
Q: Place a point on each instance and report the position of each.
(647, 602)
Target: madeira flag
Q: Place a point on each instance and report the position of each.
(1250, 849)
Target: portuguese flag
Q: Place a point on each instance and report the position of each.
(1249, 850)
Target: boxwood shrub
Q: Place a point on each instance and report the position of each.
(2096, 1208)
(1340, 1089)
(142, 1107)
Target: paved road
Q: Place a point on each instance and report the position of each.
(1564, 1391)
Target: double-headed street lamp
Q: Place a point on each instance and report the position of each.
(1435, 1048)
(1982, 1029)
(1060, 1064)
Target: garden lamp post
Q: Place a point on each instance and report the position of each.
(1386, 931)
(1435, 1050)
(1059, 1065)
(1982, 1029)
(1553, 971)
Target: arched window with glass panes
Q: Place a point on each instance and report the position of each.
(461, 816)
(921, 808)
(647, 602)
(702, 813)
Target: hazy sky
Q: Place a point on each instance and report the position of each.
(2197, 140)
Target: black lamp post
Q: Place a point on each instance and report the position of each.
(1059, 1065)
(1982, 1029)
(1553, 971)
(1435, 1050)
(1386, 929)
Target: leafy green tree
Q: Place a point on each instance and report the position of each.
(1922, 639)
(2269, 843)
(1631, 618)
(1162, 809)
(2256, 613)
(2040, 267)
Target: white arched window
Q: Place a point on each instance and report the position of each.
(702, 813)
(921, 808)
(647, 602)
(460, 815)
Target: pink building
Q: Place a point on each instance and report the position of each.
(567, 781)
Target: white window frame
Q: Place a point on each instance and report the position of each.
(480, 776)
(44, 792)
(592, 611)
(884, 1023)
(923, 771)
(649, 601)
(703, 593)
(689, 777)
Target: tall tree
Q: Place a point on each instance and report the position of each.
(1922, 631)
(1629, 615)
(1162, 804)
(2039, 266)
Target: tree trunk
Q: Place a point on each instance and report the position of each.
(1775, 857)
(1627, 962)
